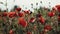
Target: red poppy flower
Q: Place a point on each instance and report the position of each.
(42, 20)
(29, 32)
(22, 21)
(47, 27)
(11, 32)
(51, 14)
(21, 14)
(27, 11)
(32, 20)
(58, 7)
(11, 14)
(58, 18)
(4, 13)
(18, 9)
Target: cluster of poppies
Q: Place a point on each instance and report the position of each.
(26, 18)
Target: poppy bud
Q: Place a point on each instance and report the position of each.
(51, 14)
